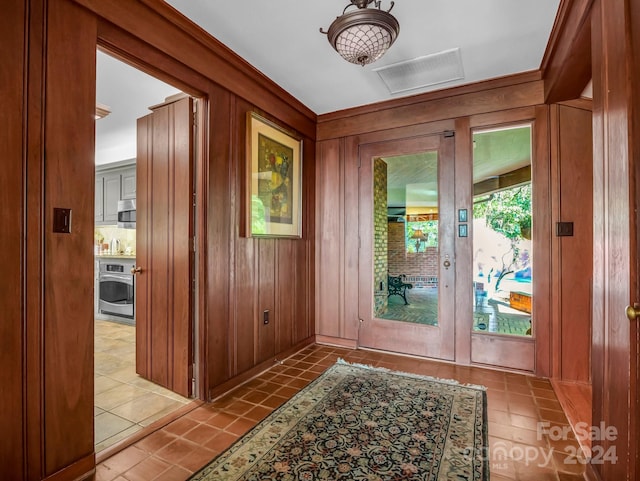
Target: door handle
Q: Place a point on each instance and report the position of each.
(447, 262)
(633, 312)
(136, 270)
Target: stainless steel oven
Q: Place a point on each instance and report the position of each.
(116, 288)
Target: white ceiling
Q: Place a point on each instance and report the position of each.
(281, 38)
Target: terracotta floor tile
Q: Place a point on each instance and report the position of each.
(181, 426)
(524, 422)
(516, 406)
(552, 404)
(543, 393)
(281, 379)
(499, 417)
(202, 414)
(240, 407)
(201, 434)
(240, 426)
(175, 473)
(274, 401)
(287, 391)
(197, 459)
(221, 442)
(155, 441)
(258, 413)
(553, 416)
(300, 383)
(148, 469)
(105, 473)
(524, 409)
(529, 437)
(126, 459)
(221, 420)
(176, 451)
(256, 397)
(519, 389)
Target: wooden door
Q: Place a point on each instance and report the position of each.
(164, 234)
(616, 156)
(431, 340)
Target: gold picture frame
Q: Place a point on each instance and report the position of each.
(274, 180)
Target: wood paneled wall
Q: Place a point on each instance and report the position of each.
(572, 177)
(12, 206)
(342, 134)
(47, 295)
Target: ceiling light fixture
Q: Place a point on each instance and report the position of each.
(363, 36)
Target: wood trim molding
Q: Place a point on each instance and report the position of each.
(337, 341)
(422, 110)
(581, 103)
(84, 468)
(566, 64)
(168, 31)
(240, 379)
(475, 87)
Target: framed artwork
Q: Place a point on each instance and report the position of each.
(274, 180)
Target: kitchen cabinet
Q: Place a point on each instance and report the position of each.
(128, 183)
(112, 185)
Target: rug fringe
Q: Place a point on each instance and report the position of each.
(452, 382)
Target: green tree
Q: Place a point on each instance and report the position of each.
(508, 212)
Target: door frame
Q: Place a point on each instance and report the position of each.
(377, 333)
(491, 346)
(140, 56)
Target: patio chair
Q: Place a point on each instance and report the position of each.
(397, 287)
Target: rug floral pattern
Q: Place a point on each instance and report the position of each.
(361, 423)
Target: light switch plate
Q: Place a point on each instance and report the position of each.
(564, 229)
(61, 220)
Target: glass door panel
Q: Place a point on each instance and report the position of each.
(407, 238)
(407, 281)
(502, 219)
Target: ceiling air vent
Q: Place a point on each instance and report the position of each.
(421, 72)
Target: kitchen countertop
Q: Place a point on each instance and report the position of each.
(115, 256)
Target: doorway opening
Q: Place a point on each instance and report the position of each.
(125, 402)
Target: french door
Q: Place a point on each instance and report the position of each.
(431, 334)
(445, 260)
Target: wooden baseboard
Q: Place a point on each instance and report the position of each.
(84, 468)
(236, 381)
(337, 341)
(590, 474)
(575, 399)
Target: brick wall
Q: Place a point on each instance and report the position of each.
(380, 264)
(421, 268)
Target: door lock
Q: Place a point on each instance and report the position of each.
(633, 312)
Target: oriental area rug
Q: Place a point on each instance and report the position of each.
(361, 423)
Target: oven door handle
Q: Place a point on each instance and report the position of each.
(128, 279)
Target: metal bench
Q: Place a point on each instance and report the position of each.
(397, 287)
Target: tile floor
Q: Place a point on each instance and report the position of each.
(516, 404)
(124, 402)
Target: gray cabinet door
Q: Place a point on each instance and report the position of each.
(129, 183)
(99, 204)
(111, 197)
